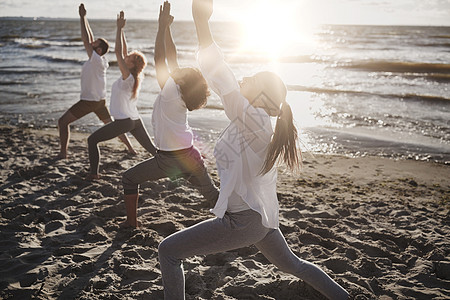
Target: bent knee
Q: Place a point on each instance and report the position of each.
(127, 179)
(62, 122)
(90, 140)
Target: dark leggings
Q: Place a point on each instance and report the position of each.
(112, 130)
(186, 163)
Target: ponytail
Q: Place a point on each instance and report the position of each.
(284, 142)
(140, 62)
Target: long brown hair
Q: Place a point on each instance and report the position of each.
(284, 142)
(140, 62)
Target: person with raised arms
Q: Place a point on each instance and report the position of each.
(93, 87)
(183, 89)
(247, 154)
(123, 103)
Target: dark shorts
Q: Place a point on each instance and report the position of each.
(83, 107)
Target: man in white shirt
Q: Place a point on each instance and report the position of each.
(93, 87)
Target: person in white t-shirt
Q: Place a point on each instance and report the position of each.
(247, 154)
(123, 103)
(182, 90)
(93, 87)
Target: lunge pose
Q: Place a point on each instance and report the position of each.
(182, 89)
(246, 154)
(93, 87)
(124, 97)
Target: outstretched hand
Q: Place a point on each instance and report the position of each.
(121, 21)
(165, 19)
(82, 10)
(202, 9)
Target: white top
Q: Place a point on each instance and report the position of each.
(121, 105)
(93, 78)
(241, 148)
(169, 119)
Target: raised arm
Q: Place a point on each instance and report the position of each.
(120, 54)
(124, 44)
(201, 12)
(171, 51)
(165, 19)
(86, 33)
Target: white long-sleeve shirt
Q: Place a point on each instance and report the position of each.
(242, 147)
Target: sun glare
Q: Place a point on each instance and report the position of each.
(270, 27)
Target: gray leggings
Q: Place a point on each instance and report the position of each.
(233, 231)
(112, 130)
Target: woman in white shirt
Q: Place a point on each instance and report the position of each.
(246, 155)
(182, 90)
(124, 93)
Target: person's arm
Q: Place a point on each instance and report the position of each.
(201, 12)
(119, 47)
(171, 51)
(124, 44)
(86, 33)
(164, 20)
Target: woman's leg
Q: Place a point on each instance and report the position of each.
(233, 231)
(131, 179)
(276, 250)
(107, 132)
(141, 135)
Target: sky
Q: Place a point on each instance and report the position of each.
(366, 12)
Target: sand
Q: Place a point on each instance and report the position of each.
(379, 226)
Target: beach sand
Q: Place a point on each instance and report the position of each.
(379, 226)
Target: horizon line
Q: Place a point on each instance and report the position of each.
(215, 21)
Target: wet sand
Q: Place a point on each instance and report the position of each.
(379, 226)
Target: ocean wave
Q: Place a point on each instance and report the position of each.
(398, 67)
(59, 59)
(30, 43)
(26, 71)
(441, 36)
(8, 83)
(38, 42)
(407, 97)
(9, 37)
(443, 45)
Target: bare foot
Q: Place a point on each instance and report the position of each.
(127, 224)
(61, 155)
(92, 177)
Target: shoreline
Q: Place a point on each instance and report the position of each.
(379, 226)
(352, 144)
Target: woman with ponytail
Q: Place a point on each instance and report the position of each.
(247, 154)
(123, 104)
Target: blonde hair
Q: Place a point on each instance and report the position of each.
(140, 62)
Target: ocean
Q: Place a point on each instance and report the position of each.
(354, 90)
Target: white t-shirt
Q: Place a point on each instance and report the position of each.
(93, 78)
(242, 147)
(170, 121)
(121, 105)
